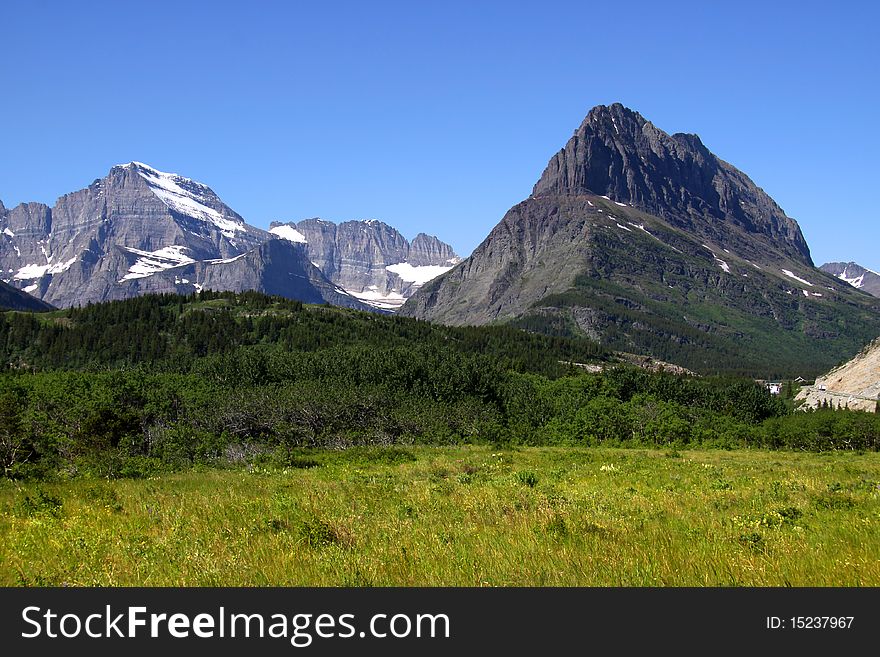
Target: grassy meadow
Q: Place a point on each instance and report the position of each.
(464, 516)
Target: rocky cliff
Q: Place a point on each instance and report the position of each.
(617, 153)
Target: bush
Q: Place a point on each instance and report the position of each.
(40, 503)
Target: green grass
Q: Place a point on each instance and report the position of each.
(467, 516)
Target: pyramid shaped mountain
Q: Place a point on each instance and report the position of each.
(651, 244)
(617, 153)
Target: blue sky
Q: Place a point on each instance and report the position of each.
(438, 117)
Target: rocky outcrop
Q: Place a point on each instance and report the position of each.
(369, 259)
(854, 385)
(139, 230)
(859, 277)
(652, 245)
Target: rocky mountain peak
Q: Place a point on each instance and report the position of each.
(651, 244)
(429, 250)
(182, 195)
(610, 114)
(617, 153)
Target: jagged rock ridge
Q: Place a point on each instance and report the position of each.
(369, 259)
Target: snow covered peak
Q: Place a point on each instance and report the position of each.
(146, 171)
(187, 197)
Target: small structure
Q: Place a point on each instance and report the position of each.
(775, 387)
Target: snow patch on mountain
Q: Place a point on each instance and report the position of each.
(718, 261)
(417, 274)
(287, 232)
(186, 196)
(225, 261)
(391, 301)
(855, 281)
(791, 274)
(30, 272)
(151, 262)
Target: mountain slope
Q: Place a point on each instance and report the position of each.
(854, 385)
(140, 229)
(859, 277)
(651, 244)
(14, 299)
(369, 259)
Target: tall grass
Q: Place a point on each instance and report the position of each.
(466, 516)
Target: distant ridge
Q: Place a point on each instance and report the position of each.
(859, 277)
(370, 259)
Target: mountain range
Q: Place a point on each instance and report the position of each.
(139, 230)
(369, 259)
(859, 277)
(651, 244)
(644, 241)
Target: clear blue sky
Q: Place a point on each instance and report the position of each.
(438, 117)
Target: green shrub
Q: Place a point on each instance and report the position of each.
(37, 504)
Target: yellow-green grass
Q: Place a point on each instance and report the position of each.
(466, 516)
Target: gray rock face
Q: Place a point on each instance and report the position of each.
(623, 240)
(536, 250)
(856, 275)
(370, 259)
(275, 267)
(617, 153)
(427, 250)
(104, 241)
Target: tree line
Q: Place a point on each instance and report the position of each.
(126, 388)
